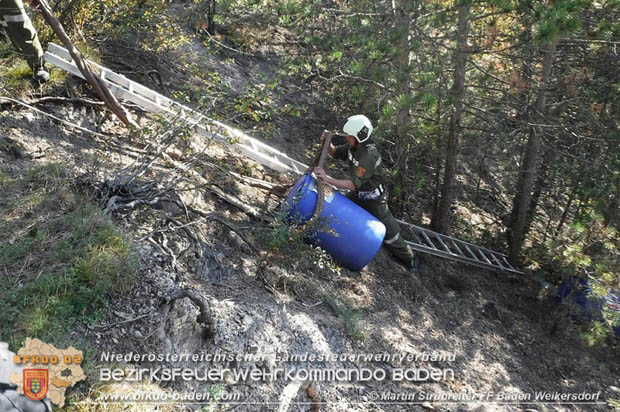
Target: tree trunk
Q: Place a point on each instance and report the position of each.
(539, 186)
(527, 175)
(210, 16)
(610, 214)
(403, 78)
(401, 26)
(571, 197)
(441, 220)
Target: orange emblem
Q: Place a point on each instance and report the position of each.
(360, 172)
(35, 383)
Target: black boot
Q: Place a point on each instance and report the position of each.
(40, 75)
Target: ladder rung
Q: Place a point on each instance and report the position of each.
(443, 244)
(507, 263)
(457, 247)
(497, 261)
(484, 256)
(429, 241)
(417, 238)
(473, 255)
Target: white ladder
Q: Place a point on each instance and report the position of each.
(425, 241)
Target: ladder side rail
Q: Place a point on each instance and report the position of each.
(479, 247)
(132, 86)
(59, 51)
(211, 135)
(259, 145)
(246, 151)
(108, 75)
(418, 241)
(119, 88)
(262, 158)
(122, 93)
(510, 266)
(119, 92)
(457, 258)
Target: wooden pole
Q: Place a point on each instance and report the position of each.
(92, 78)
(320, 186)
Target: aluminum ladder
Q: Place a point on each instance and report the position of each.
(437, 244)
(425, 241)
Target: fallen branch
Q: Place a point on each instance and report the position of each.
(252, 211)
(113, 207)
(214, 217)
(272, 188)
(82, 100)
(225, 46)
(216, 190)
(320, 185)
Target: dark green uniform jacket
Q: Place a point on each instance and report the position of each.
(369, 178)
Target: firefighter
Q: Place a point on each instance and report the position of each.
(367, 183)
(24, 37)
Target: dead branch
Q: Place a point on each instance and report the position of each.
(82, 100)
(252, 211)
(214, 217)
(204, 317)
(93, 79)
(112, 205)
(225, 46)
(261, 184)
(278, 190)
(320, 185)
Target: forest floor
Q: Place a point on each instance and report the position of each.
(495, 338)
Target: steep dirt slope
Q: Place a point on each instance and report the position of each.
(488, 334)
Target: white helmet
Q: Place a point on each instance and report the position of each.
(358, 126)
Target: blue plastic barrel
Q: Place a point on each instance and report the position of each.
(350, 234)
